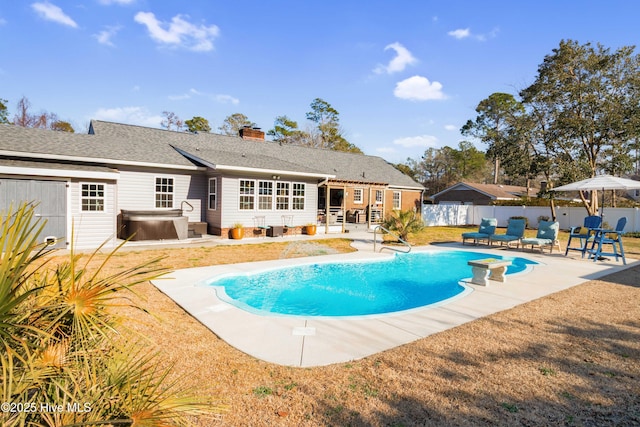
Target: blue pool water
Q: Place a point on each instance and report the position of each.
(403, 282)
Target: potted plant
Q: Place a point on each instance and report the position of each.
(310, 229)
(237, 231)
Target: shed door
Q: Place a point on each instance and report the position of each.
(50, 198)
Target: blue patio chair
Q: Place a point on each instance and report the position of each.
(609, 237)
(514, 233)
(486, 229)
(547, 236)
(584, 234)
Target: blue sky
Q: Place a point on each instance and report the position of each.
(404, 75)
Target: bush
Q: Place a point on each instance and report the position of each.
(60, 345)
(403, 222)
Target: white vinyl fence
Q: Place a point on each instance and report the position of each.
(567, 217)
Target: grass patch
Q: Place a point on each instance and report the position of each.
(510, 407)
(547, 371)
(263, 391)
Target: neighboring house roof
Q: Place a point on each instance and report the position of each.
(493, 191)
(119, 144)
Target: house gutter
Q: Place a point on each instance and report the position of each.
(58, 173)
(25, 155)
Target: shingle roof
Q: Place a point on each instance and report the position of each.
(104, 148)
(495, 191)
(225, 150)
(113, 143)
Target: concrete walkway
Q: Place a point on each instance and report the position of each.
(316, 341)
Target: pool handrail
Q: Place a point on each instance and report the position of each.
(375, 232)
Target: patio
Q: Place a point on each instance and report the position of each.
(306, 342)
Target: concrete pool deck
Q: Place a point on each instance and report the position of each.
(317, 341)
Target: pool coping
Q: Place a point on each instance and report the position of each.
(319, 341)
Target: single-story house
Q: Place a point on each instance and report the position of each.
(98, 184)
(467, 193)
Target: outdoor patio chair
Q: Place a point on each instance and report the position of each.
(486, 229)
(287, 224)
(259, 226)
(609, 237)
(514, 233)
(547, 236)
(583, 234)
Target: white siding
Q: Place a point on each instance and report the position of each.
(91, 229)
(213, 216)
(229, 204)
(136, 191)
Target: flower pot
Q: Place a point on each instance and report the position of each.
(310, 229)
(237, 233)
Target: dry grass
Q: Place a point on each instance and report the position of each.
(572, 358)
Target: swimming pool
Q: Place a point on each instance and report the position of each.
(399, 283)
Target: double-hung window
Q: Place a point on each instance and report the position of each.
(397, 200)
(379, 198)
(92, 199)
(357, 196)
(247, 194)
(282, 196)
(298, 194)
(213, 193)
(164, 192)
(265, 195)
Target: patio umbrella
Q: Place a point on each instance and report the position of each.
(601, 182)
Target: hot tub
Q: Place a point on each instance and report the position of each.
(153, 225)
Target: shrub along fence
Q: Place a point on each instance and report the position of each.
(567, 216)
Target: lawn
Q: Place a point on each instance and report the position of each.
(571, 358)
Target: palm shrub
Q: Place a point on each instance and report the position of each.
(403, 223)
(64, 357)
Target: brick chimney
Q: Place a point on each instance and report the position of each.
(254, 134)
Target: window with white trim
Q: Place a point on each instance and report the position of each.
(247, 194)
(297, 200)
(164, 192)
(92, 198)
(282, 196)
(265, 195)
(357, 195)
(397, 200)
(379, 195)
(213, 194)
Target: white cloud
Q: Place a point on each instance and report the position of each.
(450, 127)
(420, 141)
(227, 99)
(179, 32)
(104, 37)
(466, 33)
(460, 33)
(51, 12)
(418, 88)
(128, 115)
(220, 98)
(399, 62)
